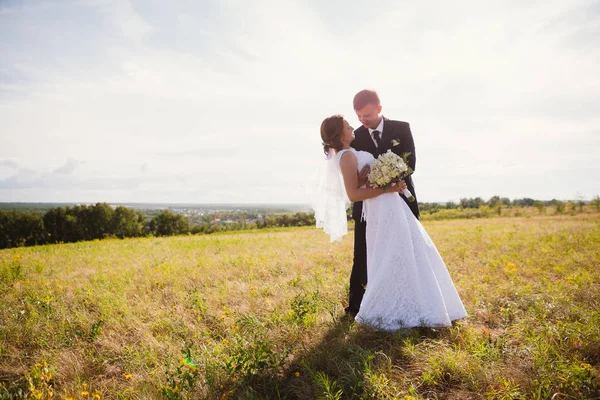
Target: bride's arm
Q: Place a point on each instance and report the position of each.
(349, 165)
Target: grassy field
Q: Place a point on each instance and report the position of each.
(511, 212)
(260, 315)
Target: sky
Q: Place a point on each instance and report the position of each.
(221, 101)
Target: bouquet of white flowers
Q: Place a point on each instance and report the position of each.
(388, 169)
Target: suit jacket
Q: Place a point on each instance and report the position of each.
(394, 132)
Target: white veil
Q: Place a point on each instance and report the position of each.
(331, 200)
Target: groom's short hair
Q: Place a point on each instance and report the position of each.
(364, 97)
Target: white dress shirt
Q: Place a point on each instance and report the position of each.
(380, 129)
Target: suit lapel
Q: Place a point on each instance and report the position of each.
(386, 137)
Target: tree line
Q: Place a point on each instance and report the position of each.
(89, 222)
(505, 202)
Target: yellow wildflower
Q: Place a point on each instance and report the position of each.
(84, 393)
(227, 394)
(297, 373)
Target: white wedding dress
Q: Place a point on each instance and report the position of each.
(408, 284)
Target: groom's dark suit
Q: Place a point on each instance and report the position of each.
(396, 135)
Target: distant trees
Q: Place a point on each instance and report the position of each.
(472, 203)
(127, 222)
(97, 220)
(81, 222)
(297, 219)
(493, 201)
(167, 223)
(524, 202)
(21, 229)
(69, 224)
(57, 225)
(498, 203)
(88, 222)
(540, 206)
(596, 202)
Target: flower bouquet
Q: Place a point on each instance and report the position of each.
(388, 169)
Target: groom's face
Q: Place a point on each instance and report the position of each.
(369, 115)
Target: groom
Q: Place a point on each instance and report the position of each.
(376, 135)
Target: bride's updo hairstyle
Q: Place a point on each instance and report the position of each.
(332, 131)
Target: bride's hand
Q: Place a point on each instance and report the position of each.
(363, 175)
(398, 187)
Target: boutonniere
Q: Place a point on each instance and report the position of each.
(395, 143)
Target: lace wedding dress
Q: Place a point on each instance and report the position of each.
(408, 282)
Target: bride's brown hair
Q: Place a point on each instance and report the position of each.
(332, 131)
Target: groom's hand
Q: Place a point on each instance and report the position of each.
(363, 175)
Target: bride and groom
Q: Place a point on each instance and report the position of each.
(408, 283)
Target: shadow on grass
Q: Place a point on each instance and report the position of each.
(346, 363)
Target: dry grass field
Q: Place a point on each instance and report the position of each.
(259, 314)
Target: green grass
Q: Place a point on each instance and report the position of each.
(260, 315)
(503, 211)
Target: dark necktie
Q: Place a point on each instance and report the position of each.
(377, 137)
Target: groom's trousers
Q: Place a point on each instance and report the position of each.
(358, 276)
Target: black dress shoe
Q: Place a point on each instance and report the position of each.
(350, 313)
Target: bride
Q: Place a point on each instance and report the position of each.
(408, 283)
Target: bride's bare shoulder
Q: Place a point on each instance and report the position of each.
(348, 155)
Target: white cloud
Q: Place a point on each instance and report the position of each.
(221, 101)
(129, 22)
